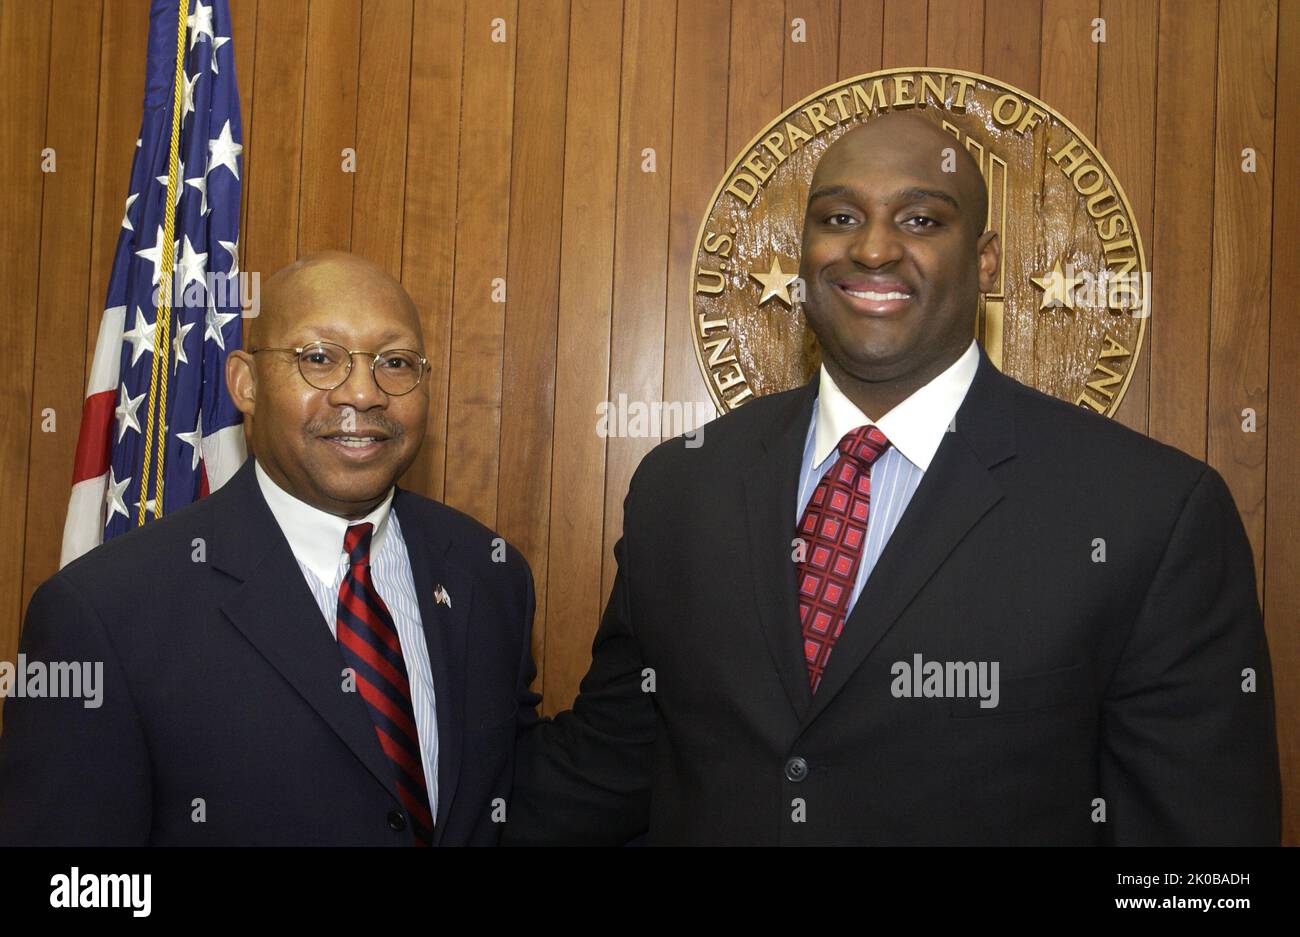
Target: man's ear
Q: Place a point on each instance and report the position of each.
(241, 382)
(990, 258)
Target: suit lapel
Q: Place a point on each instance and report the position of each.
(446, 633)
(956, 491)
(275, 611)
(771, 490)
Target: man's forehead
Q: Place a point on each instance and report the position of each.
(919, 155)
(901, 131)
(304, 311)
(875, 187)
(342, 330)
(899, 157)
(338, 297)
(877, 184)
(339, 315)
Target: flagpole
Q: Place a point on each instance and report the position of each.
(162, 316)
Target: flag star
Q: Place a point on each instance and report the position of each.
(141, 337)
(193, 264)
(223, 151)
(126, 413)
(217, 43)
(201, 183)
(154, 256)
(126, 213)
(232, 248)
(193, 440)
(148, 505)
(137, 142)
(189, 96)
(113, 496)
(214, 322)
(162, 180)
(178, 345)
(200, 23)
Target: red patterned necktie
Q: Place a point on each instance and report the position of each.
(370, 646)
(833, 530)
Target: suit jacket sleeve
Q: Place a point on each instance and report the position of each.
(70, 774)
(584, 777)
(1187, 755)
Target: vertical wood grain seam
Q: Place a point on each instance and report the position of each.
(36, 310)
(1155, 142)
(668, 232)
(1272, 279)
(785, 39)
(356, 127)
(880, 60)
(839, 40)
(555, 337)
(246, 188)
(505, 313)
(88, 359)
(1042, 32)
(925, 30)
(1214, 177)
(302, 127)
(455, 238)
(539, 678)
(726, 112)
(406, 150)
(613, 270)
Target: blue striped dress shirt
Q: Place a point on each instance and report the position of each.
(914, 428)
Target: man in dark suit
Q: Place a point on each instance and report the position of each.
(308, 655)
(916, 602)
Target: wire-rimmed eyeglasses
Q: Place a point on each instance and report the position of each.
(325, 366)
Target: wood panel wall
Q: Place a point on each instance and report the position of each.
(523, 160)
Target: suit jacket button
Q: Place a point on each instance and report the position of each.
(796, 769)
(396, 821)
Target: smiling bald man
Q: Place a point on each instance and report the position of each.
(885, 621)
(310, 655)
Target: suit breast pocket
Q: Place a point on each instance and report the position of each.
(1031, 692)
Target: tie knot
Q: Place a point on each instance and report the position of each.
(356, 544)
(864, 444)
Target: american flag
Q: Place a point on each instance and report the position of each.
(197, 441)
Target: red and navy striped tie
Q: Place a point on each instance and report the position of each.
(368, 640)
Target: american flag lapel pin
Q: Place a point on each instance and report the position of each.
(441, 597)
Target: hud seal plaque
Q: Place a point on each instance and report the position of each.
(1069, 311)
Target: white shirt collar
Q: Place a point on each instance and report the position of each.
(315, 536)
(915, 426)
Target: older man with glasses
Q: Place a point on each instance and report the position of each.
(290, 659)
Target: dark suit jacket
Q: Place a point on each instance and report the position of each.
(222, 682)
(1120, 680)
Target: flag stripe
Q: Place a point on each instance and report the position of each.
(94, 441)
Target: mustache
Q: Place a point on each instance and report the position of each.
(373, 425)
